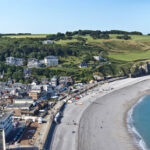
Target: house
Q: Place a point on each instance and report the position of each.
(48, 42)
(18, 107)
(23, 101)
(54, 81)
(34, 82)
(48, 88)
(10, 81)
(34, 63)
(65, 80)
(6, 121)
(17, 85)
(35, 94)
(51, 61)
(27, 72)
(14, 61)
(99, 58)
(38, 88)
(83, 65)
(47, 91)
(44, 81)
(2, 74)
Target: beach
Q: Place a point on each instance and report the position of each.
(101, 119)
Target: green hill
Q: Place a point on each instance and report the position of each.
(123, 55)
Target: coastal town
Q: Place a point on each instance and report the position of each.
(74, 75)
(27, 109)
(29, 112)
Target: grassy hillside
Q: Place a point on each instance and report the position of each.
(138, 48)
(122, 55)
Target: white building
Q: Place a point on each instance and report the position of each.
(2, 140)
(48, 88)
(48, 42)
(14, 61)
(54, 81)
(51, 61)
(99, 58)
(6, 121)
(33, 63)
(23, 101)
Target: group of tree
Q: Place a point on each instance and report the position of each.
(30, 48)
(124, 37)
(7, 34)
(90, 32)
(58, 36)
(96, 34)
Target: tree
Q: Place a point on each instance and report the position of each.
(125, 37)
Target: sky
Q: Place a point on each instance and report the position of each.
(52, 16)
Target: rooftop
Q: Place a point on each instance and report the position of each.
(4, 114)
(51, 57)
(19, 105)
(24, 99)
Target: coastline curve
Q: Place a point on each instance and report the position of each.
(102, 127)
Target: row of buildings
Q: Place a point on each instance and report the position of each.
(23, 101)
(49, 61)
(33, 62)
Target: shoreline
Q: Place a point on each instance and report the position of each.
(102, 102)
(136, 137)
(120, 123)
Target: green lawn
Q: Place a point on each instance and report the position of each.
(64, 42)
(27, 36)
(139, 38)
(71, 59)
(131, 56)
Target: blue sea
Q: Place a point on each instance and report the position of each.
(139, 122)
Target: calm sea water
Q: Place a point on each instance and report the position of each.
(141, 121)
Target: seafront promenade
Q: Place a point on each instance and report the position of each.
(43, 134)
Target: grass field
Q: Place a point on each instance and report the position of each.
(131, 56)
(140, 38)
(27, 36)
(64, 42)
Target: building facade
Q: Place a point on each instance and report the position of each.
(99, 58)
(6, 121)
(48, 42)
(66, 80)
(33, 63)
(35, 94)
(51, 61)
(14, 61)
(54, 81)
(2, 140)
